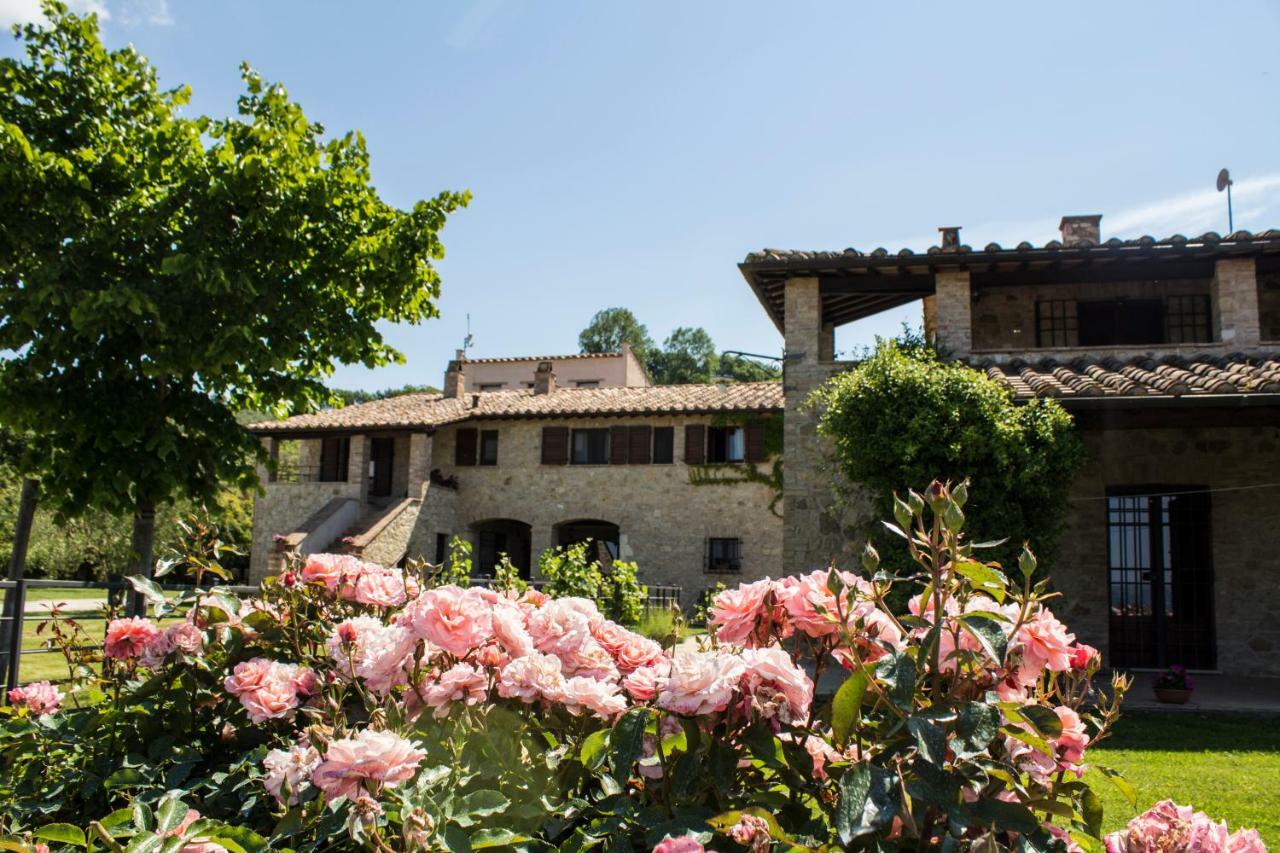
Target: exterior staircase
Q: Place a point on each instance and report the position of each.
(381, 535)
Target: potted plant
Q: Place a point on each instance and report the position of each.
(1174, 686)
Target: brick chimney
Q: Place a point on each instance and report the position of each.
(1081, 230)
(455, 380)
(544, 381)
(950, 237)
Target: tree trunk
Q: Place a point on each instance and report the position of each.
(17, 567)
(141, 545)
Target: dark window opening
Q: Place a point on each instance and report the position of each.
(1121, 322)
(726, 444)
(724, 555)
(382, 454)
(664, 445)
(442, 545)
(590, 447)
(587, 383)
(1056, 323)
(334, 454)
(489, 447)
(492, 386)
(1187, 320)
(1160, 578)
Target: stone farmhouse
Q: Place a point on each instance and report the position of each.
(523, 454)
(1167, 352)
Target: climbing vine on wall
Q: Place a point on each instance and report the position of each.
(768, 473)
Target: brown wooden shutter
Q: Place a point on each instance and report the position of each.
(619, 445)
(755, 442)
(464, 449)
(695, 444)
(555, 445)
(640, 440)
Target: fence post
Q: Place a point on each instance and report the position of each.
(19, 597)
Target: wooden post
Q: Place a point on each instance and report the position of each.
(13, 600)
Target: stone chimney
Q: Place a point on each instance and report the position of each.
(950, 237)
(455, 380)
(1081, 230)
(544, 381)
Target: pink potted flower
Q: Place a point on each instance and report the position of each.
(1174, 686)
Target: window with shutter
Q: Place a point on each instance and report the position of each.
(695, 444)
(619, 445)
(755, 442)
(639, 438)
(664, 445)
(555, 445)
(464, 450)
(334, 454)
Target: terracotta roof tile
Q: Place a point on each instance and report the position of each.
(1172, 376)
(432, 410)
(522, 358)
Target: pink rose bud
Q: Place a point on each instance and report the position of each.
(347, 633)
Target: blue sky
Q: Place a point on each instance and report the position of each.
(632, 154)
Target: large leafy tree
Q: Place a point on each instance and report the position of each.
(610, 328)
(904, 416)
(161, 271)
(687, 355)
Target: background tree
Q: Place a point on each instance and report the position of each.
(687, 355)
(611, 328)
(167, 271)
(903, 418)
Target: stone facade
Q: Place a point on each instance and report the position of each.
(953, 312)
(1245, 531)
(1235, 289)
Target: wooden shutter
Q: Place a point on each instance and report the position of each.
(464, 449)
(555, 445)
(619, 445)
(695, 444)
(641, 441)
(755, 451)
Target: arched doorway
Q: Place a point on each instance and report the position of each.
(497, 536)
(602, 538)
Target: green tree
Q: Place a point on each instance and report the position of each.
(351, 397)
(687, 355)
(904, 417)
(611, 328)
(742, 369)
(169, 270)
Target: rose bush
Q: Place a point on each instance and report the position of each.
(353, 704)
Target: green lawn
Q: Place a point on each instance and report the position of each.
(1226, 765)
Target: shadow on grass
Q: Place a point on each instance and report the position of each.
(1191, 732)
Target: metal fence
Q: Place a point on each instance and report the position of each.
(15, 617)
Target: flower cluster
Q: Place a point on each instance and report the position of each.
(136, 638)
(39, 697)
(1170, 828)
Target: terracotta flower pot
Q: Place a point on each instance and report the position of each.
(1172, 695)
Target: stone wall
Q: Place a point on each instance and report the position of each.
(664, 521)
(1004, 318)
(1245, 527)
(390, 541)
(281, 510)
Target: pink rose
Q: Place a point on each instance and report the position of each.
(268, 689)
(39, 697)
(559, 627)
(599, 697)
(186, 638)
(628, 649)
(129, 638)
(461, 682)
(380, 655)
(288, 771)
(701, 682)
(1084, 656)
(750, 614)
(383, 758)
(1045, 642)
(683, 844)
(457, 620)
(379, 587)
(589, 659)
(777, 687)
(1170, 827)
(509, 630)
(330, 569)
(751, 831)
(532, 678)
(644, 683)
(1073, 740)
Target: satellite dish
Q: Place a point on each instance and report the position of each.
(1224, 180)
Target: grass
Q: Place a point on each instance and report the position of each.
(1226, 765)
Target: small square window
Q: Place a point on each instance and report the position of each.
(724, 555)
(492, 386)
(1056, 323)
(1187, 320)
(590, 447)
(587, 383)
(726, 444)
(664, 445)
(488, 447)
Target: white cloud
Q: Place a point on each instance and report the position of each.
(1256, 202)
(131, 13)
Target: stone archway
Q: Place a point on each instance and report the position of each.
(497, 536)
(604, 538)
